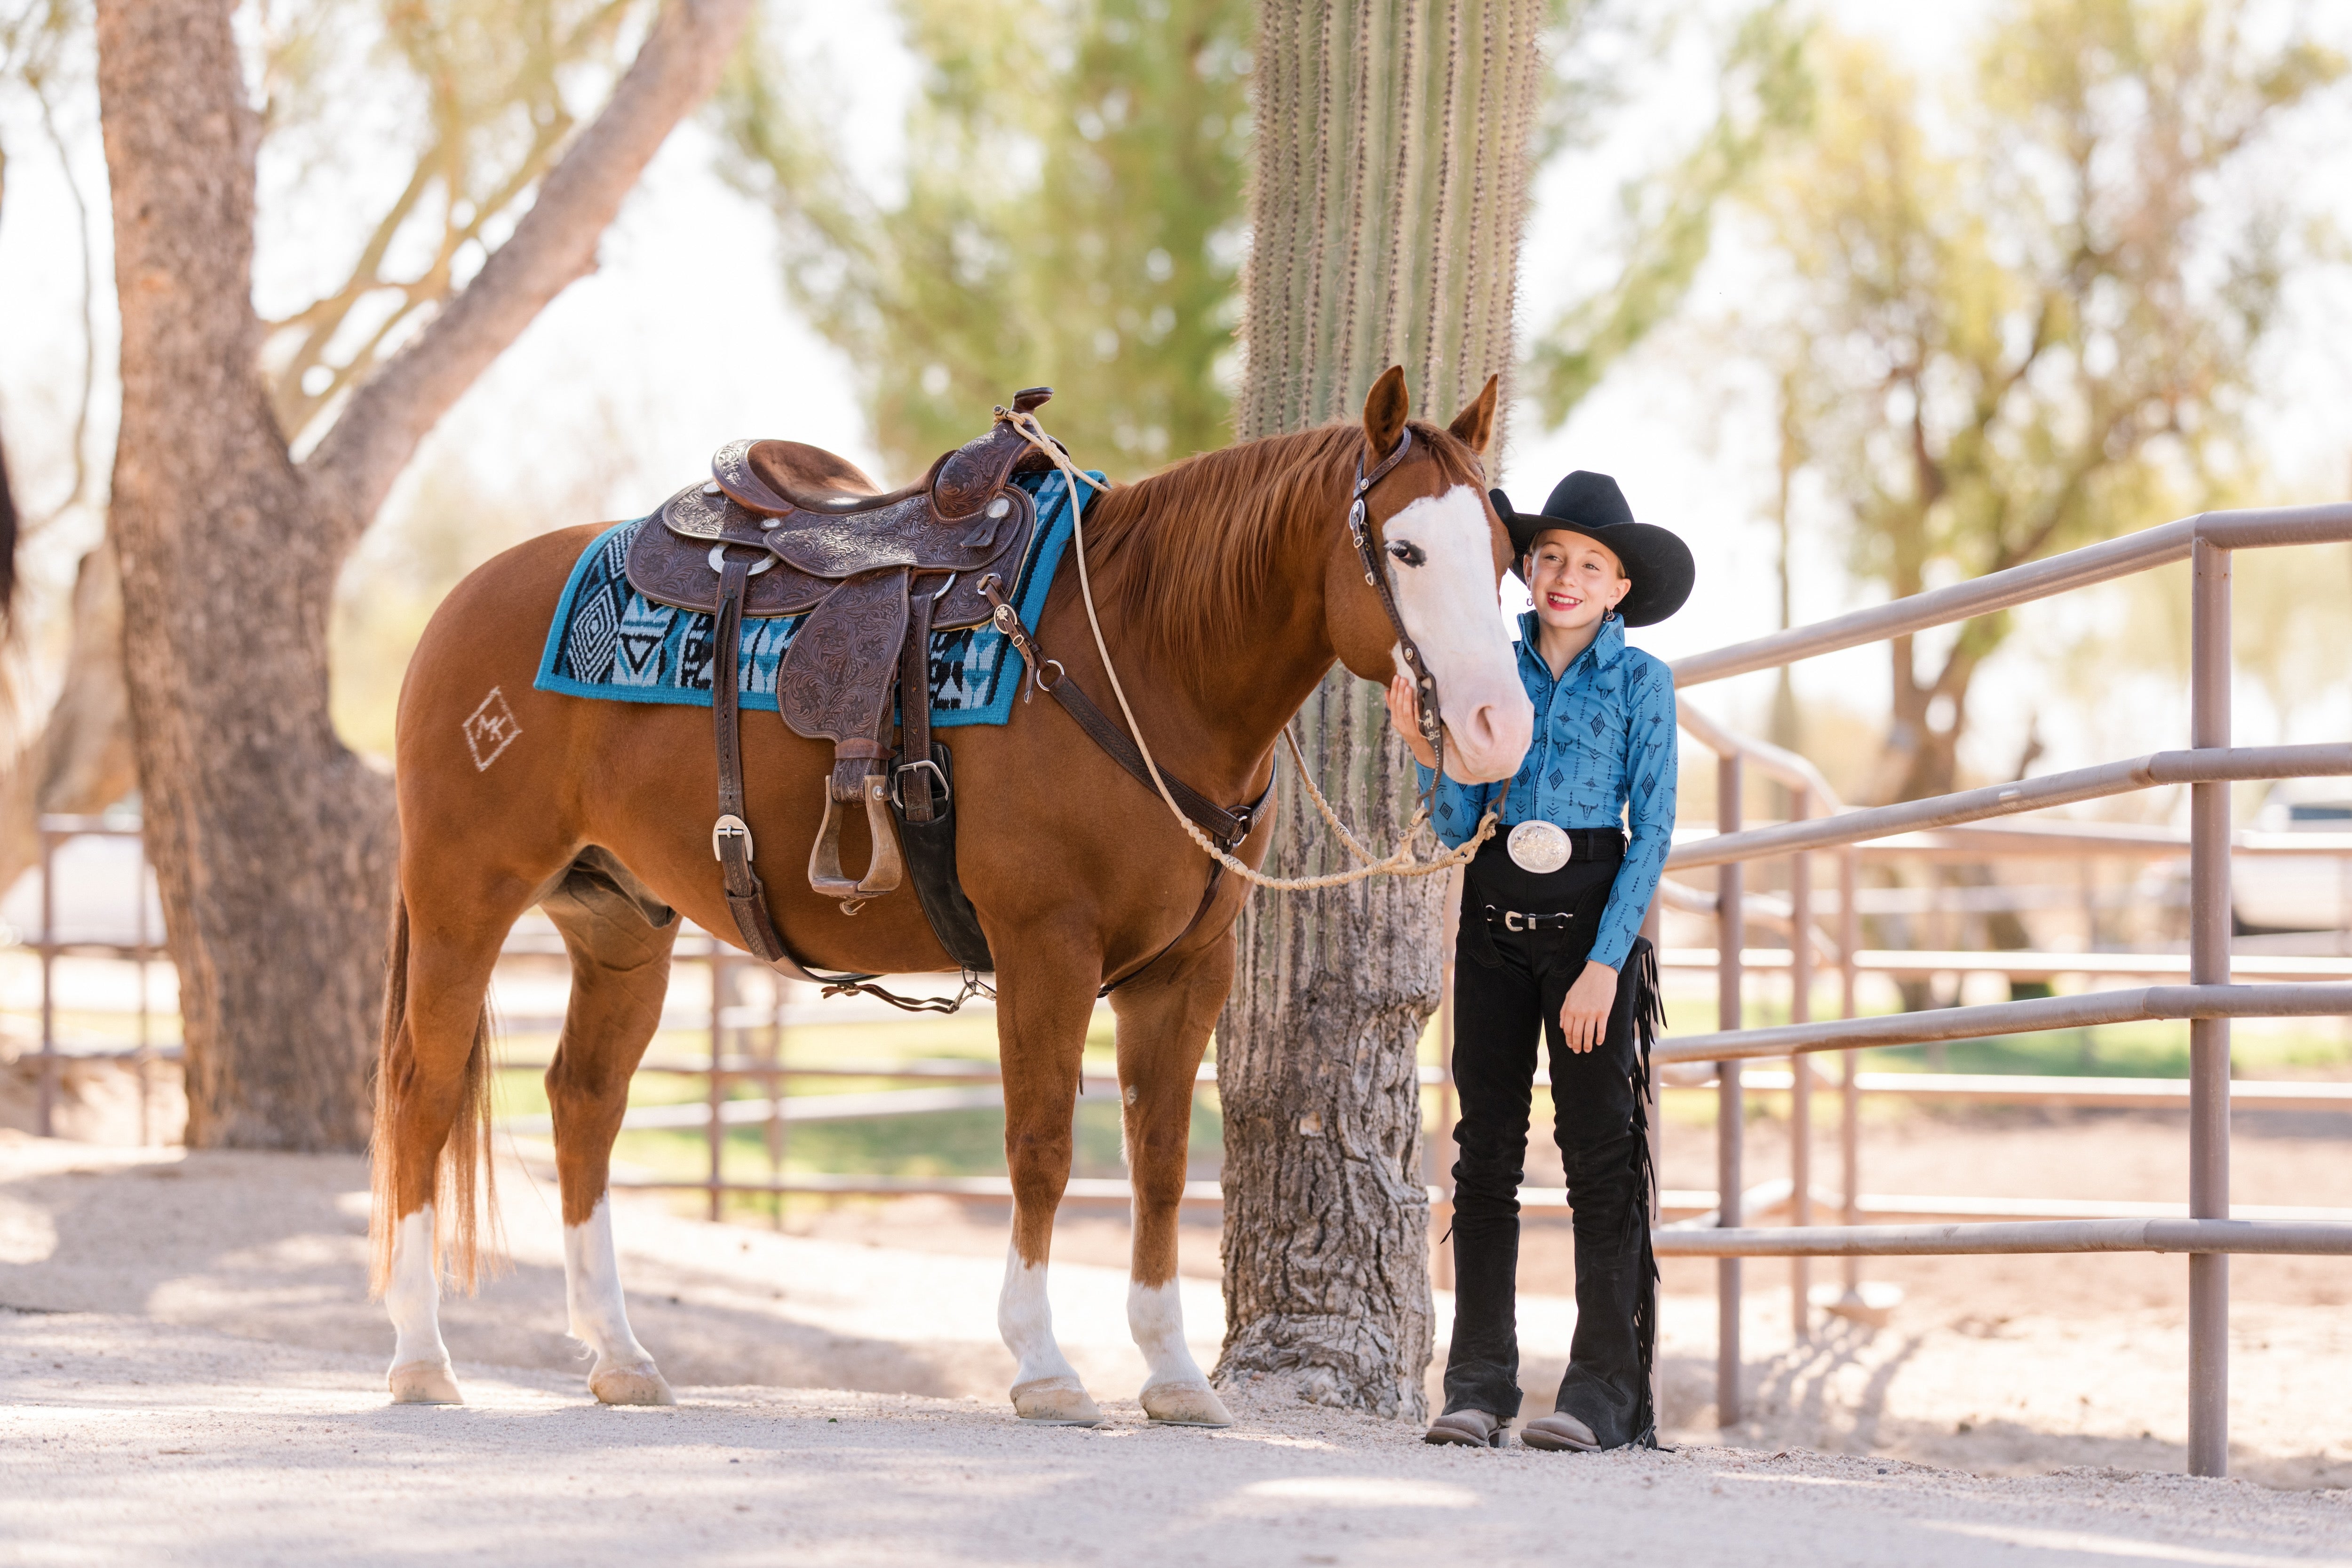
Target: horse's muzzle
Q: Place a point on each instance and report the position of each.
(1485, 741)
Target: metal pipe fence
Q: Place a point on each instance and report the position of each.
(143, 949)
(2209, 1001)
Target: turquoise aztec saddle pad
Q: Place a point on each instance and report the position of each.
(607, 640)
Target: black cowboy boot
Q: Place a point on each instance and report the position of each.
(1606, 1389)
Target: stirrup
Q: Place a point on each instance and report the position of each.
(885, 868)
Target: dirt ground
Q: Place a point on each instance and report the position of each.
(128, 1440)
(189, 1360)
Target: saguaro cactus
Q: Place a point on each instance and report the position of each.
(1391, 187)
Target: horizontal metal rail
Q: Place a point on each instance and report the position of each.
(2208, 1236)
(2020, 964)
(2102, 562)
(1089, 1190)
(694, 1115)
(2278, 1230)
(2314, 999)
(2097, 1093)
(2210, 764)
(66, 827)
(1695, 1209)
(2073, 840)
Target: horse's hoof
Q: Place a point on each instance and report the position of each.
(639, 1385)
(424, 1383)
(1186, 1405)
(1055, 1402)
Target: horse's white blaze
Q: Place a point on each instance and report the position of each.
(1450, 605)
(592, 1290)
(1026, 1318)
(1155, 1316)
(413, 1297)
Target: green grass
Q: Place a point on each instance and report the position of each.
(972, 1143)
(933, 1143)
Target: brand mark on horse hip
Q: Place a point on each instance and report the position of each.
(491, 729)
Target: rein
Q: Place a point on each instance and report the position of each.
(1401, 861)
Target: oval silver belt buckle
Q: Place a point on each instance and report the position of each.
(1537, 846)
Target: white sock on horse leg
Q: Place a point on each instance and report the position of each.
(413, 1295)
(1026, 1318)
(1155, 1316)
(592, 1290)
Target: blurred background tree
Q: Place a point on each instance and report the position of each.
(469, 94)
(2022, 310)
(1668, 212)
(478, 86)
(1071, 216)
(254, 455)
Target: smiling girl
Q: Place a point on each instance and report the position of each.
(1550, 943)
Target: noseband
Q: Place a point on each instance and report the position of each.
(1429, 717)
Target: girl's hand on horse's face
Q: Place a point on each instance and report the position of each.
(1404, 715)
(1584, 1017)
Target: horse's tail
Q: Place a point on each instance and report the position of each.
(465, 1180)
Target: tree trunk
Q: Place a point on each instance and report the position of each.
(7, 498)
(1391, 171)
(273, 846)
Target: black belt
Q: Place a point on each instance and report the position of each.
(1584, 844)
(1514, 920)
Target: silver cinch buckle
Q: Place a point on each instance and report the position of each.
(1514, 920)
(731, 825)
(897, 782)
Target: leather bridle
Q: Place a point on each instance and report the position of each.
(1427, 714)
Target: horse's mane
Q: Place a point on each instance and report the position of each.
(1179, 559)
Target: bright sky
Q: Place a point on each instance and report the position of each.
(683, 339)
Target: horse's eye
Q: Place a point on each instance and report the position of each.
(1408, 553)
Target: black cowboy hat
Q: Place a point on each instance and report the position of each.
(1591, 504)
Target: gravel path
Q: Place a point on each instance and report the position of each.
(125, 1440)
(189, 1371)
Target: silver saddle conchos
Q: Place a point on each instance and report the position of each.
(1538, 847)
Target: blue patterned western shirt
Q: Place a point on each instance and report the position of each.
(1604, 743)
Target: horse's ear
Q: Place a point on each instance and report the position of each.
(1475, 426)
(1384, 411)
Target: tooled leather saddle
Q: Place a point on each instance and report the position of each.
(783, 529)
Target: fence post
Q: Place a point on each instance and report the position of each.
(146, 1057)
(48, 1089)
(718, 1129)
(776, 1102)
(1800, 1068)
(1849, 1086)
(2209, 1039)
(1731, 931)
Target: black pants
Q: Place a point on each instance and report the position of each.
(1508, 989)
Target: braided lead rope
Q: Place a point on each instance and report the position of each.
(1400, 863)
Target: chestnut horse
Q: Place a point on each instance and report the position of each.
(1227, 586)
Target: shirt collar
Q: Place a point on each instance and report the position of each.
(1606, 647)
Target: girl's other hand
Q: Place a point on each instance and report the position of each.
(1584, 1017)
(1403, 714)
